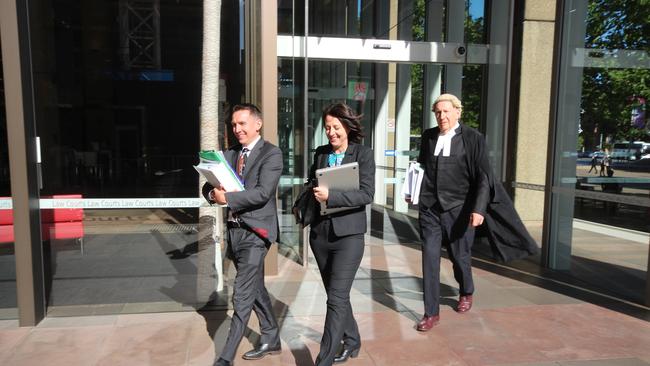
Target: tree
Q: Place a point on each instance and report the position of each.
(210, 219)
(608, 93)
(472, 74)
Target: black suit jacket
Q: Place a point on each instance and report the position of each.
(351, 221)
(256, 205)
(473, 141)
(502, 232)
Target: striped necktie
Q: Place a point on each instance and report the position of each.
(241, 161)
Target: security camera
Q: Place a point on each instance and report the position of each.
(461, 50)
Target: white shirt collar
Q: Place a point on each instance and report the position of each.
(444, 142)
(252, 144)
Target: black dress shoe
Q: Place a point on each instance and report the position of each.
(222, 362)
(347, 353)
(261, 351)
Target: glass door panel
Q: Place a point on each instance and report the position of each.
(601, 187)
(8, 303)
(119, 129)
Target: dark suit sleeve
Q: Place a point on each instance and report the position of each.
(481, 180)
(207, 187)
(366, 191)
(314, 165)
(424, 147)
(266, 187)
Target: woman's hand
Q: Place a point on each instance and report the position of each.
(321, 194)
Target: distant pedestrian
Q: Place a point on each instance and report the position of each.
(594, 164)
(605, 163)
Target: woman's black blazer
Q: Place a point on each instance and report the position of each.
(351, 221)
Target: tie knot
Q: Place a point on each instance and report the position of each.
(244, 150)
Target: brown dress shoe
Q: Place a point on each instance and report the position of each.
(464, 303)
(428, 322)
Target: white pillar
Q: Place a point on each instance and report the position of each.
(380, 131)
(402, 107)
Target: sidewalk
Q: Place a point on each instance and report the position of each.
(517, 319)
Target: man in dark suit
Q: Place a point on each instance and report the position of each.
(252, 227)
(453, 200)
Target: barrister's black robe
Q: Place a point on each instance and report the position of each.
(502, 228)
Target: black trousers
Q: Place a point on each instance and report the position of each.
(450, 228)
(249, 292)
(338, 260)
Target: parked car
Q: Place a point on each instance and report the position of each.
(598, 154)
(625, 150)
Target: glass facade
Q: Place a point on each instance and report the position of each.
(8, 306)
(394, 97)
(600, 205)
(117, 102)
(118, 90)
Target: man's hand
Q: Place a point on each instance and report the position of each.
(219, 195)
(321, 194)
(476, 219)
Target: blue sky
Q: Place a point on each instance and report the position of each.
(476, 8)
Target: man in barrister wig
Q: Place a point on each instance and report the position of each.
(458, 195)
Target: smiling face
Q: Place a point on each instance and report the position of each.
(337, 133)
(245, 126)
(447, 116)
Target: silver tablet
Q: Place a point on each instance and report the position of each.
(340, 178)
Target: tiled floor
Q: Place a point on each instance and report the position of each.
(518, 319)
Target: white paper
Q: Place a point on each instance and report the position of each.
(413, 182)
(219, 173)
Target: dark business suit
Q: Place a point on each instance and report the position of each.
(337, 243)
(453, 188)
(256, 208)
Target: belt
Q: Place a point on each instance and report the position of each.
(235, 224)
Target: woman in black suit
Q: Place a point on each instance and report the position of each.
(337, 239)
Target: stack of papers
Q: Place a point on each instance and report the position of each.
(214, 167)
(413, 182)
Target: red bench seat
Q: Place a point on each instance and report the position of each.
(58, 223)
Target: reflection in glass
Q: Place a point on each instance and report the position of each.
(373, 19)
(117, 97)
(291, 142)
(601, 202)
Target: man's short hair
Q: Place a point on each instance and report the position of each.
(449, 98)
(251, 108)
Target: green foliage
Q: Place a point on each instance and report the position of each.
(472, 90)
(607, 93)
(417, 71)
(417, 99)
(472, 74)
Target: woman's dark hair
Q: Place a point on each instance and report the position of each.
(348, 118)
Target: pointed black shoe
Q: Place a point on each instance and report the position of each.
(222, 362)
(347, 353)
(261, 351)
